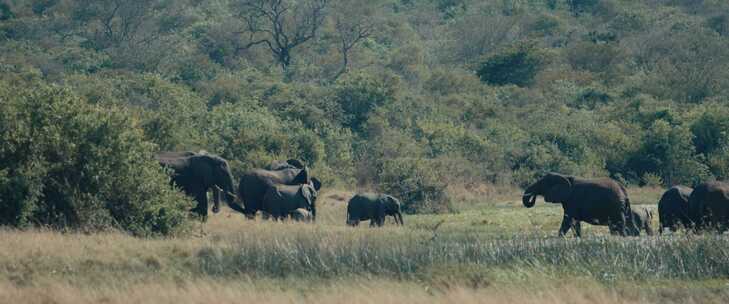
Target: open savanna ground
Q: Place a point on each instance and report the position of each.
(491, 251)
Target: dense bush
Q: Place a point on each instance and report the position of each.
(516, 65)
(417, 183)
(68, 164)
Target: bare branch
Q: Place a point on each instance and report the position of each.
(282, 25)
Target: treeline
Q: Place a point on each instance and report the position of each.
(406, 96)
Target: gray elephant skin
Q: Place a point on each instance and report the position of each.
(673, 208)
(373, 207)
(709, 206)
(594, 201)
(301, 215)
(641, 220)
(280, 201)
(287, 164)
(196, 173)
(254, 184)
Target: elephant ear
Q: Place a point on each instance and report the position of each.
(309, 194)
(392, 203)
(316, 182)
(303, 177)
(560, 190)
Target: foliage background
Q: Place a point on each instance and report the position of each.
(436, 93)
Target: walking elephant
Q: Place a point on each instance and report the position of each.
(281, 200)
(595, 201)
(196, 173)
(254, 184)
(709, 206)
(641, 220)
(673, 208)
(373, 207)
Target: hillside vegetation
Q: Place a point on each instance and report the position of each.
(424, 99)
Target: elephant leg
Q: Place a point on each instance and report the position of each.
(202, 204)
(577, 227)
(216, 200)
(566, 224)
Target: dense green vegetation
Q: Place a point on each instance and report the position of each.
(405, 96)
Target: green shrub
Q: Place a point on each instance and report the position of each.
(583, 6)
(595, 57)
(67, 164)
(359, 93)
(252, 137)
(667, 150)
(516, 65)
(416, 183)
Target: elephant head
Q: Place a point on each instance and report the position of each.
(392, 206)
(220, 180)
(309, 193)
(556, 188)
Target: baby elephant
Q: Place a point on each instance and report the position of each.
(641, 220)
(280, 200)
(373, 207)
(301, 215)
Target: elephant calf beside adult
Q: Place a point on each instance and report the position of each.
(280, 201)
(641, 220)
(709, 206)
(594, 201)
(373, 207)
(254, 184)
(673, 208)
(196, 174)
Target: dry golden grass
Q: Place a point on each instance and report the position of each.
(475, 258)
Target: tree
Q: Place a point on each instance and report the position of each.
(281, 25)
(353, 23)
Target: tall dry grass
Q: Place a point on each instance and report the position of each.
(494, 253)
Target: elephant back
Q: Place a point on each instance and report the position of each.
(363, 206)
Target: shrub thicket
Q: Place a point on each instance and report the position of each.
(68, 164)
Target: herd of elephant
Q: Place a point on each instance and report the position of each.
(605, 202)
(281, 190)
(286, 189)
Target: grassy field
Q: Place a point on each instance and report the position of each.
(492, 251)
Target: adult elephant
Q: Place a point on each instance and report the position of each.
(595, 201)
(281, 200)
(288, 164)
(373, 207)
(254, 184)
(709, 206)
(196, 173)
(673, 208)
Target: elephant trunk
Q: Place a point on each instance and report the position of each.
(399, 216)
(529, 199)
